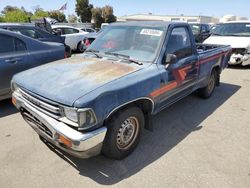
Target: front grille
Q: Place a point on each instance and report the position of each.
(30, 119)
(49, 108)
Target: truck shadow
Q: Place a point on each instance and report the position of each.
(239, 67)
(171, 126)
(7, 108)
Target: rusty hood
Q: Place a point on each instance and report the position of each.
(67, 80)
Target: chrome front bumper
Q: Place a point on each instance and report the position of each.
(83, 145)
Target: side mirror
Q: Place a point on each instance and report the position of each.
(170, 59)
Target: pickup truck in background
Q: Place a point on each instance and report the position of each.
(101, 101)
(19, 53)
(236, 34)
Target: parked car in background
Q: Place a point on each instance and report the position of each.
(19, 53)
(90, 37)
(103, 99)
(73, 36)
(200, 31)
(88, 30)
(236, 34)
(36, 33)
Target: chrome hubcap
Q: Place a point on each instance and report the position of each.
(127, 133)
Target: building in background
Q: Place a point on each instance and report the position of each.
(228, 18)
(181, 18)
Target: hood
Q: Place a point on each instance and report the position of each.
(67, 80)
(235, 42)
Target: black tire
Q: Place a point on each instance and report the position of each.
(119, 125)
(68, 51)
(80, 47)
(207, 91)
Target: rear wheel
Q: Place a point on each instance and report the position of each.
(207, 91)
(124, 131)
(80, 47)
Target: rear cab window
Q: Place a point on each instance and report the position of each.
(179, 43)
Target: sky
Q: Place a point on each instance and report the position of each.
(215, 8)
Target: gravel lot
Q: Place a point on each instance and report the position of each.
(195, 143)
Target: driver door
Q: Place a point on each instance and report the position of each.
(178, 79)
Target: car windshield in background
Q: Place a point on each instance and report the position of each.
(138, 43)
(195, 28)
(233, 29)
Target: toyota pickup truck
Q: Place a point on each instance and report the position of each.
(102, 100)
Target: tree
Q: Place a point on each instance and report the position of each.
(57, 15)
(1, 19)
(39, 13)
(72, 18)
(8, 8)
(16, 16)
(97, 17)
(108, 14)
(83, 10)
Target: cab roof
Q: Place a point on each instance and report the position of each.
(147, 23)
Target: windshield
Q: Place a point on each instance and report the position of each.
(138, 43)
(233, 29)
(195, 28)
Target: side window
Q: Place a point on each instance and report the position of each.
(89, 30)
(19, 45)
(58, 31)
(203, 29)
(27, 32)
(179, 43)
(7, 44)
(67, 31)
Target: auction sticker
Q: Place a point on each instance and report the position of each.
(152, 32)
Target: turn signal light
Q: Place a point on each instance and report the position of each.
(65, 141)
(13, 99)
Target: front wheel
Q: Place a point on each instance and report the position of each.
(124, 131)
(207, 91)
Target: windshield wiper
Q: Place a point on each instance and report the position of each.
(124, 57)
(94, 52)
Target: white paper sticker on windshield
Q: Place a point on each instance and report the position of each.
(152, 32)
(247, 25)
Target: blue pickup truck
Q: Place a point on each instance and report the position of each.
(101, 101)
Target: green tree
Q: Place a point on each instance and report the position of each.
(57, 15)
(108, 14)
(97, 17)
(16, 16)
(1, 19)
(8, 8)
(39, 13)
(83, 10)
(72, 18)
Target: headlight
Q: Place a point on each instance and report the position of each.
(84, 118)
(71, 114)
(87, 119)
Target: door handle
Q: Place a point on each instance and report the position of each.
(13, 60)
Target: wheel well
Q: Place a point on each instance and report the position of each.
(146, 105)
